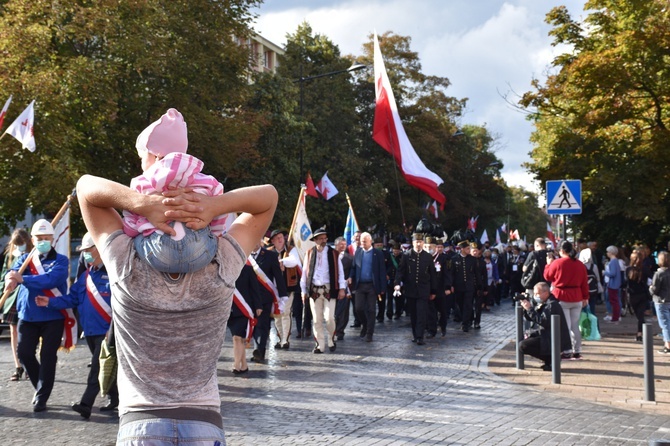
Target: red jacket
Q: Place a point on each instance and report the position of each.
(568, 278)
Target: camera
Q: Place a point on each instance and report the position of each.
(522, 296)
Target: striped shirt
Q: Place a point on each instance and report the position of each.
(176, 170)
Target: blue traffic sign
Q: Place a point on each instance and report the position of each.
(564, 197)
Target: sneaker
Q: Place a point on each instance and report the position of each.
(565, 356)
(577, 356)
(665, 350)
(607, 318)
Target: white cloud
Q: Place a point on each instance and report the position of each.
(486, 48)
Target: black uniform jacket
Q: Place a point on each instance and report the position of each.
(417, 275)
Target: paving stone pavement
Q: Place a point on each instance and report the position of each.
(388, 392)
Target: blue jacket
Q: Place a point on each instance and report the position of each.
(56, 268)
(378, 270)
(614, 273)
(91, 321)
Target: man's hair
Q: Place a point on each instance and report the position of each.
(542, 286)
(540, 241)
(339, 239)
(663, 260)
(366, 235)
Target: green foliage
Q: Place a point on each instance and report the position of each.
(102, 71)
(603, 117)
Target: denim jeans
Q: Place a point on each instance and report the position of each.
(168, 432)
(193, 252)
(663, 314)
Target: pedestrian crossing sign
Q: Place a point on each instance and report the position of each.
(564, 197)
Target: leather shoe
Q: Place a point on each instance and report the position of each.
(286, 346)
(82, 410)
(39, 407)
(317, 350)
(368, 338)
(278, 346)
(420, 342)
(340, 337)
(355, 325)
(240, 372)
(332, 347)
(363, 332)
(414, 340)
(298, 336)
(477, 326)
(465, 328)
(430, 335)
(112, 405)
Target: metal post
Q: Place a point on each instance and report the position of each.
(565, 227)
(555, 349)
(647, 337)
(519, 336)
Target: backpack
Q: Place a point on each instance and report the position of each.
(531, 276)
(593, 279)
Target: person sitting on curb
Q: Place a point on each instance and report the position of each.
(539, 312)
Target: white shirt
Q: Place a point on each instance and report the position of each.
(321, 274)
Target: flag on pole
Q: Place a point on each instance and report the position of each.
(498, 241)
(472, 223)
(3, 113)
(22, 128)
(484, 238)
(503, 228)
(351, 226)
(551, 235)
(311, 190)
(514, 235)
(389, 133)
(62, 235)
(326, 187)
(432, 208)
(302, 231)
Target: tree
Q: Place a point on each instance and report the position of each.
(603, 117)
(100, 72)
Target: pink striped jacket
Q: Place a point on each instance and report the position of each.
(176, 170)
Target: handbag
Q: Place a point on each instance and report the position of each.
(108, 361)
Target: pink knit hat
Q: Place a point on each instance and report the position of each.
(167, 135)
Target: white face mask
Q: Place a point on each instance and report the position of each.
(537, 298)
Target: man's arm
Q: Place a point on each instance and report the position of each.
(98, 199)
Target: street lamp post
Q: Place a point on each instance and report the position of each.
(300, 81)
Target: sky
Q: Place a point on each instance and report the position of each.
(489, 50)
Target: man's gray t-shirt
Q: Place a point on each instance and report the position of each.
(169, 333)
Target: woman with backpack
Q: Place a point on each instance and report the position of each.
(593, 275)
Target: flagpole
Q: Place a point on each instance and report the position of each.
(54, 223)
(353, 214)
(295, 214)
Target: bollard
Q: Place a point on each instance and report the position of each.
(519, 336)
(555, 349)
(648, 345)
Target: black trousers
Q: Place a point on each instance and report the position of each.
(341, 315)
(417, 309)
(262, 329)
(532, 346)
(465, 301)
(365, 305)
(92, 382)
(400, 304)
(480, 301)
(296, 308)
(438, 312)
(42, 373)
(390, 300)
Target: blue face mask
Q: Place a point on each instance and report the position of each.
(43, 246)
(88, 257)
(21, 248)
